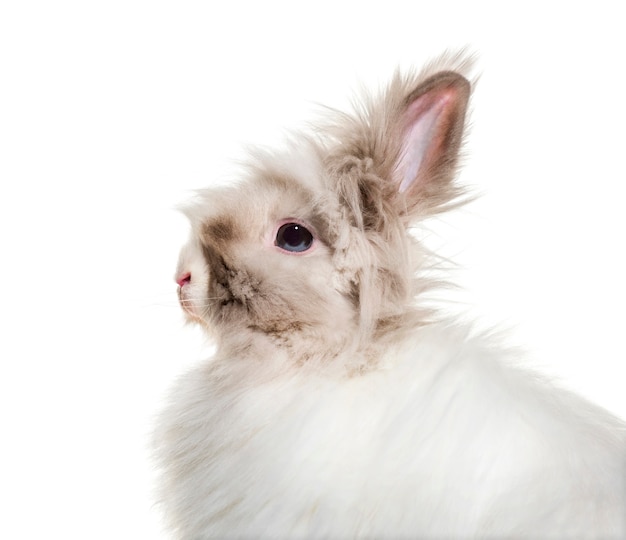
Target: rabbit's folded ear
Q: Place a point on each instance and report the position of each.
(431, 132)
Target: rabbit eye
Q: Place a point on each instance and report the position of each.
(294, 237)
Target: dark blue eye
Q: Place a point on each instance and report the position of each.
(293, 237)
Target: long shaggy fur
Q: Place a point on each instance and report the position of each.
(337, 405)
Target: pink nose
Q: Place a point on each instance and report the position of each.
(183, 279)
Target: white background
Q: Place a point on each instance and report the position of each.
(110, 112)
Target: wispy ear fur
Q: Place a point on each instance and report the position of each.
(374, 139)
(384, 188)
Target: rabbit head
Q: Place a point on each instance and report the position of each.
(310, 252)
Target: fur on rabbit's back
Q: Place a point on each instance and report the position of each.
(450, 439)
(336, 406)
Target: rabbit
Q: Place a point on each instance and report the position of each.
(337, 403)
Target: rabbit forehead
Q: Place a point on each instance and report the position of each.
(253, 207)
(292, 184)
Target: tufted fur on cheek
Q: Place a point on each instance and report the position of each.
(253, 291)
(393, 165)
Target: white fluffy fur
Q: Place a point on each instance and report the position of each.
(335, 407)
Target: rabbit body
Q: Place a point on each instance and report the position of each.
(336, 405)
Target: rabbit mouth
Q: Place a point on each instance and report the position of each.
(187, 304)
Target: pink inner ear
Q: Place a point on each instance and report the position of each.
(427, 120)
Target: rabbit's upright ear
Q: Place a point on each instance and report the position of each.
(431, 131)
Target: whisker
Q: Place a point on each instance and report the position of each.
(160, 304)
(152, 297)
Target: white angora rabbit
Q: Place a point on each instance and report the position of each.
(336, 405)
